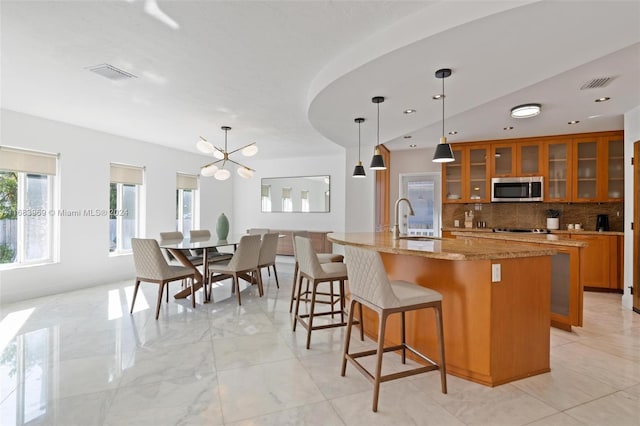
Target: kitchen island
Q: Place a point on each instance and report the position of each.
(496, 326)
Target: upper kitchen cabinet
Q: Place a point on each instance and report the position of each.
(516, 159)
(598, 169)
(467, 178)
(558, 159)
(615, 167)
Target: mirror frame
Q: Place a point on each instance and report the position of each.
(328, 189)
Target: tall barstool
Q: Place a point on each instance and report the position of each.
(371, 287)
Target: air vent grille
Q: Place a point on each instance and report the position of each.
(111, 72)
(596, 83)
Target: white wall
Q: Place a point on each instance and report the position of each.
(360, 212)
(247, 203)
(631, 135)
(85, 156)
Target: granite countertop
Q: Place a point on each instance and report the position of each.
(548, 239)
(439, 248)
(554, 231)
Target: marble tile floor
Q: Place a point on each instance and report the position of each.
(80, 358)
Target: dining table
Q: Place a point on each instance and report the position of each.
(209, 246)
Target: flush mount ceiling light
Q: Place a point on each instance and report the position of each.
(526, 110)
(221, 173)
(444, 153)
(358, 172)
(377, 162)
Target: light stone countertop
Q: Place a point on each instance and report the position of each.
(439, 248)
(554, 231)
(549, 239)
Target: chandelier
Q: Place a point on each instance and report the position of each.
(219, 172)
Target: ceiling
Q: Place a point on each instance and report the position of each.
(292, 75)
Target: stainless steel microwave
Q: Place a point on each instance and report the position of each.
(517, 189)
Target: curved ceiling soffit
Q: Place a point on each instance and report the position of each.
(441, 16)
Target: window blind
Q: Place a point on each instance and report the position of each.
(286, 192)
(20, 160)
(304, 195)
(185, 181)
(266, 190)
(122, 173)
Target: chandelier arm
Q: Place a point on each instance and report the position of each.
(241, 165)
(211, 164)
(219, 149)
(241, 148)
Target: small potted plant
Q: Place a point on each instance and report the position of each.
(553, 219)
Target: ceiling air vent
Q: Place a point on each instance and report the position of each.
(110, 72)
(596, 83)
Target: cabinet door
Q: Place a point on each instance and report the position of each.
(503, 160)
(454, 178)
(615, 168)
(478, 181)
(595, 262)
(557, 175)
(529, 159)
(586, 171)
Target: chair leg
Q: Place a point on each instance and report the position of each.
(293, 288)
(167, 293)
(275, 274)
(376, 384)
(443, 366)
(403, 338)
(260, 286)
(135, 293)
(361, 322)
(347, 338)
(342, 299)
(193, 294)
(236, 284)
(160, 290)
(331, 291)
(295, 317)
(311, 312)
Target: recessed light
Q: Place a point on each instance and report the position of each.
(438, 96)
(407, 136)
(453, 132)
(595, 116)
(413, 145)
(526, 110)
(573, 122)
(508, 128)
(603, 99)
(409, 111)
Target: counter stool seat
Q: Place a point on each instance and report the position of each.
(371, 287)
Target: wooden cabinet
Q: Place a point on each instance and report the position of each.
(614, 146)
(598, 169)
(319, 242)
(599, 265)
(521, 158)
(557, 171)
(467, 178)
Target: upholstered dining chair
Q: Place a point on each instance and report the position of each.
(171, 259)
(244, 260)
(261, 231)
(151, 267)
(213, 255)
(322, 258)
(268, 249)
(370, 286)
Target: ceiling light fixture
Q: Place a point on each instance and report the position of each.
(221, 173)
(409, 111)
(444, 153)
(526, 110)
(413, 145)
(602, 99)
(358, 172)
(438, 96)
(573, 122)
(453, 132)
(508, 128)
(377, 162)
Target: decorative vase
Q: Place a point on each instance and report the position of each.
(553, 223)
(222, 227)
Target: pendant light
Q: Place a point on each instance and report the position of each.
(358, 172)
(377, 162)
(444, 153)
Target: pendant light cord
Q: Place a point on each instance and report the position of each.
(443, 107)
(359, 123)
(378, 131)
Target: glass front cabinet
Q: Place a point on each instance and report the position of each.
(558, 175)
(467, 178)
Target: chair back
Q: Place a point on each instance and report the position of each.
(174, 235)
(367, 277)
(307, 258)
(260, 231)
(304, 234)
(148, 259)
(200, 233)
(247, 254)
(268, 248)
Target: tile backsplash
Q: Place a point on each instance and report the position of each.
(533, 215)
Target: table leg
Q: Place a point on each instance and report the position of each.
(186, 262)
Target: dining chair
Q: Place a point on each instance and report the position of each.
(171, 259)
(268, 249)
(151, 267)
(244, 260)
(261, 231)
(213, 255)
(322, 258)
(316, 273)
(370, 286)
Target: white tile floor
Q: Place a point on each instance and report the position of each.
(80, 358)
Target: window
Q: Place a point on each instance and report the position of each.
(287, 203)
(124, 206)
(186, 202)
(27, 207)
(423, 190)
(266, 198)
(304, 198)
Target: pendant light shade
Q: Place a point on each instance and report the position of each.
(358, 172)
(444, 153)
(377, 162)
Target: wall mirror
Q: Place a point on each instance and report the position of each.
(296, 194)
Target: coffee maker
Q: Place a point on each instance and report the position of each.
(602, 222)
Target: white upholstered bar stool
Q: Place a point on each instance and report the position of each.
(371, 287)
(322, 258)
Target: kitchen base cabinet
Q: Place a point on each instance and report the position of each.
(599, 264)
(319, 242)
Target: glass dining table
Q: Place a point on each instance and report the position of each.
(209, 248)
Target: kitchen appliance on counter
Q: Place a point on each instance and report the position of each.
(602, 222)
(517, 189)
(522, 230)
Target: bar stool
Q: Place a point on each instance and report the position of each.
(316, 273)
(370, 287)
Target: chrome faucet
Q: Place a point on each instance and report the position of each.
(396, 226)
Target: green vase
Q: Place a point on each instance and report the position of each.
(222, 227)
